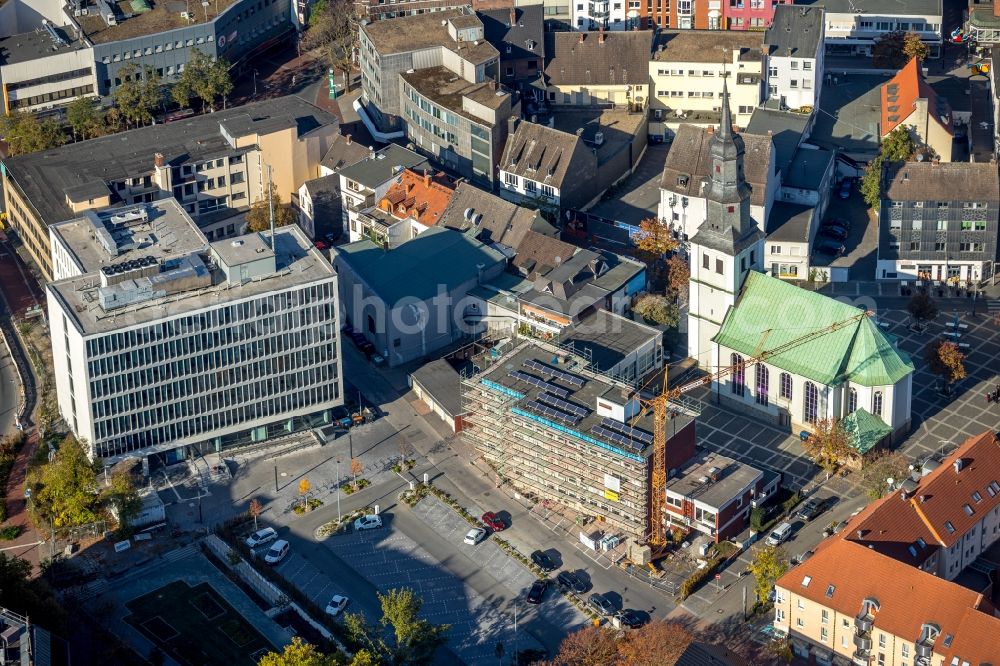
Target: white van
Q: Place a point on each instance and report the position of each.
(779, 534)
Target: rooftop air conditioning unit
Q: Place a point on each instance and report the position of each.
(186, 16)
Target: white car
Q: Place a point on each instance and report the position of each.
(368, 522)
(475, 535)
(277, 552)
(337, 604)
(779, 535)
(260, 537)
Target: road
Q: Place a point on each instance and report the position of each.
(8, 392)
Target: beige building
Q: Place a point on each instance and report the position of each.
(908, 101)
(881, 591)
(598, 69)
(215, 165)
(686, 74)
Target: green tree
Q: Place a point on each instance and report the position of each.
(139, 93)
(895, 49)
(64, 490)
(767, 565)
(416, 638)
(85, 118)
(259, 217)
(25, 133)
(922, 308)
(203, 78)
(29, 596)
(658, 309)
(897, 146)
(298, 653)
(874, 475)
(123, 497)
(333, 29)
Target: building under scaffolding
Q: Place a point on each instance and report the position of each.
(557, 431)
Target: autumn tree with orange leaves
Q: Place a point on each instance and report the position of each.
(946, 360)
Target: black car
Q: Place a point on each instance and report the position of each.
(537, 591)
(809, 510)
(835, 233)
(630, 619)
(838, 222)
(543, 561)
(601, 604)
(830, 247)
(571, 581)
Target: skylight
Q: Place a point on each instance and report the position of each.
(948, 526)
(947, 640)
(995, 487)
(976, 497)
(806, 580)
(829, 590)
(921, 543)
(913, 551)
(968, 509)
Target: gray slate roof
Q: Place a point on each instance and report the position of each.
(789, 222)
(688, 157)
(437, 257)
(879, 7)
(540, 153)
(622, 59)
(795, 31)
(807, 168)
(502, 221)
(538, 253)
(380, 167)
(528, 28)
(45, 177)
(342, 153)
(443, 384)
(608, 337)
(954, 181)
(786, 130)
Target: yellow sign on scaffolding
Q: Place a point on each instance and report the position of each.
(612, 495)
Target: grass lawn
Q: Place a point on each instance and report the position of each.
(196, 626)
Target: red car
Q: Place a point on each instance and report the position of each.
(492, 521)
(320, 245)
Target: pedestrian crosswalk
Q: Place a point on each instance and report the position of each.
(993, 305)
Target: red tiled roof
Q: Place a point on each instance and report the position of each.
(419, 196)
(909, 87)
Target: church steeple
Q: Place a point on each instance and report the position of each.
(726, 124)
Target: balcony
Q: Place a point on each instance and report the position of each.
(863, 643)
(924, 651)
(864, 623)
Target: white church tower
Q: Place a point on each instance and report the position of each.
(727, 245)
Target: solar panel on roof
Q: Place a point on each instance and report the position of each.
(616, 437)
(540, 383)
(561, 375)
(563, 405)
(552, 413)
(625, 429)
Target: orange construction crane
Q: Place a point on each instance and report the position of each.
(659, 405)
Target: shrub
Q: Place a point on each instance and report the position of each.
(10, 532)
(363, 483)
(348, 489)
(397, 468)
(695, 580)
(299, 509)
(791, 503)
(315, 503)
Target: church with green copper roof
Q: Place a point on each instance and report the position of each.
(737, 312)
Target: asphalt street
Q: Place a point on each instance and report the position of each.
(8, 392)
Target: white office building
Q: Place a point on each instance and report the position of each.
(176, 353)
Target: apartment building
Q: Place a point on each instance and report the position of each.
(681, 14)
(687, 71)
(849, 31)
(908, 101)
(795, 61)
(169, 355)
(938, 222)
(379, 10)
(714, 494)
(518, 34)
(77, 48)
(882, 591)
(414, 203)
(215, 165)
(598, 69)
(363, 183)
(605, 15)
(558, 431)
(751, 14)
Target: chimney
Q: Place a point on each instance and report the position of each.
(512, 124)
(513, 17)
(958, 465)
(769, 132)
(711, 129)
(923, 498)
(582, 36)
(349, 139)
(493, 85)
(427, 178)
(602, 37)
(158, 160)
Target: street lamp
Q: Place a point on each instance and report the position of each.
(255, 83)
(339, 514)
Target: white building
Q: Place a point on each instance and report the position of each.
(602, 14)
(852, 26)
(795, 56)
(362, 184)
(180, 354)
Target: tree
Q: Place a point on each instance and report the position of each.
(25, 133)
(658, 309)
(85, 118)
(256, 508)
(203, 78)
(946, 360)
(333, 29)
(64, 491)
(356, 468)
(122, 495)
(304, 489)
(659, 643)
(654, 238)
(590, 646)
(29, 596)
(259, 215)
(139, 93)
(767, 565)
(897, 146)
(416, 638)
(830, 445)
(895, 49)
(874, 475)
(678, 276)
(298, 653)
(922, 308)
(913, 47)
